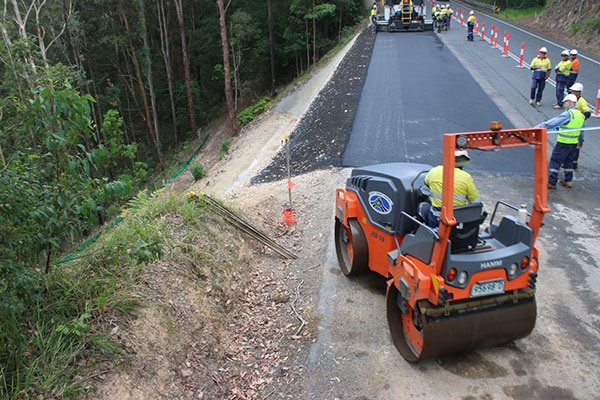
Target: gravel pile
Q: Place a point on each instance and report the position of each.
(320, 138)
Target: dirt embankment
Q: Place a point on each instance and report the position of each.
(570, 22)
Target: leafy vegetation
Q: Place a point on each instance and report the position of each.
(588, 29)
(250, 113)
(513, 4)
(515, 14)
(57, 326)
(198, 171)
(91, 95)
(224, 148)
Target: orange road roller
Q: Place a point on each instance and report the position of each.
(457, 286)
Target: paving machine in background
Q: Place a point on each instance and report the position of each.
(405, 16)
(457, 287)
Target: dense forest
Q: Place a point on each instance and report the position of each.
(93, 94)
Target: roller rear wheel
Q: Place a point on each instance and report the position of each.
(417, 337)
(351, 248)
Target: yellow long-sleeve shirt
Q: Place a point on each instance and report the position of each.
(541, 67)
(464, 186)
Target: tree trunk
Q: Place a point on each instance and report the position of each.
(227, 70)
(314, 29)
(95, 106)
(148, 65)
(41, 31)
(186, 67)
(164, 46)
(272, 48)
(307, 44)
(21, 22)
(139, 80)
(237, 60)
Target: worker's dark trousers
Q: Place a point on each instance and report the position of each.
(562, 154)
(429, 214)
(571, 81)
(576, 159)
(537, 85)
(561, 83)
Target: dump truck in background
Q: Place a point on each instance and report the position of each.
(456, 287)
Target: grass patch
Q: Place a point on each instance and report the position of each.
(198, 171)
(587, 30)
(514, 14)
(224, 148)
(63, 334)
(249, 114)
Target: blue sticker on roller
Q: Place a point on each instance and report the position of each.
(380, 203)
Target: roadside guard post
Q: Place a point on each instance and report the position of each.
(505, 45)
(596, 114)
(521, 55)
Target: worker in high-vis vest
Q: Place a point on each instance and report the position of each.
(574, 68)
(584, 108)
(374, 17)
(470, 25)
(465, 191)
(541, 67)
(568, 122)
(448, 15)
(562, 69)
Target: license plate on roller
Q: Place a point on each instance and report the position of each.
(487, 288)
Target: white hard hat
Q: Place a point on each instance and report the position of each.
(543, 50)
(461, 158)
(471, 12)
(374, 5)
(573, 52)
(578, 87)
(565, 53)
(570, 97)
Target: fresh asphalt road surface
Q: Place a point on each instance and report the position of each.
(354, 357)
(415, 91)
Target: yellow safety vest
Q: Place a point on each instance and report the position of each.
(545, 66)
(563, 67)
(576, 120)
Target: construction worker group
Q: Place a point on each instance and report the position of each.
(577, 110)
(441, 15)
